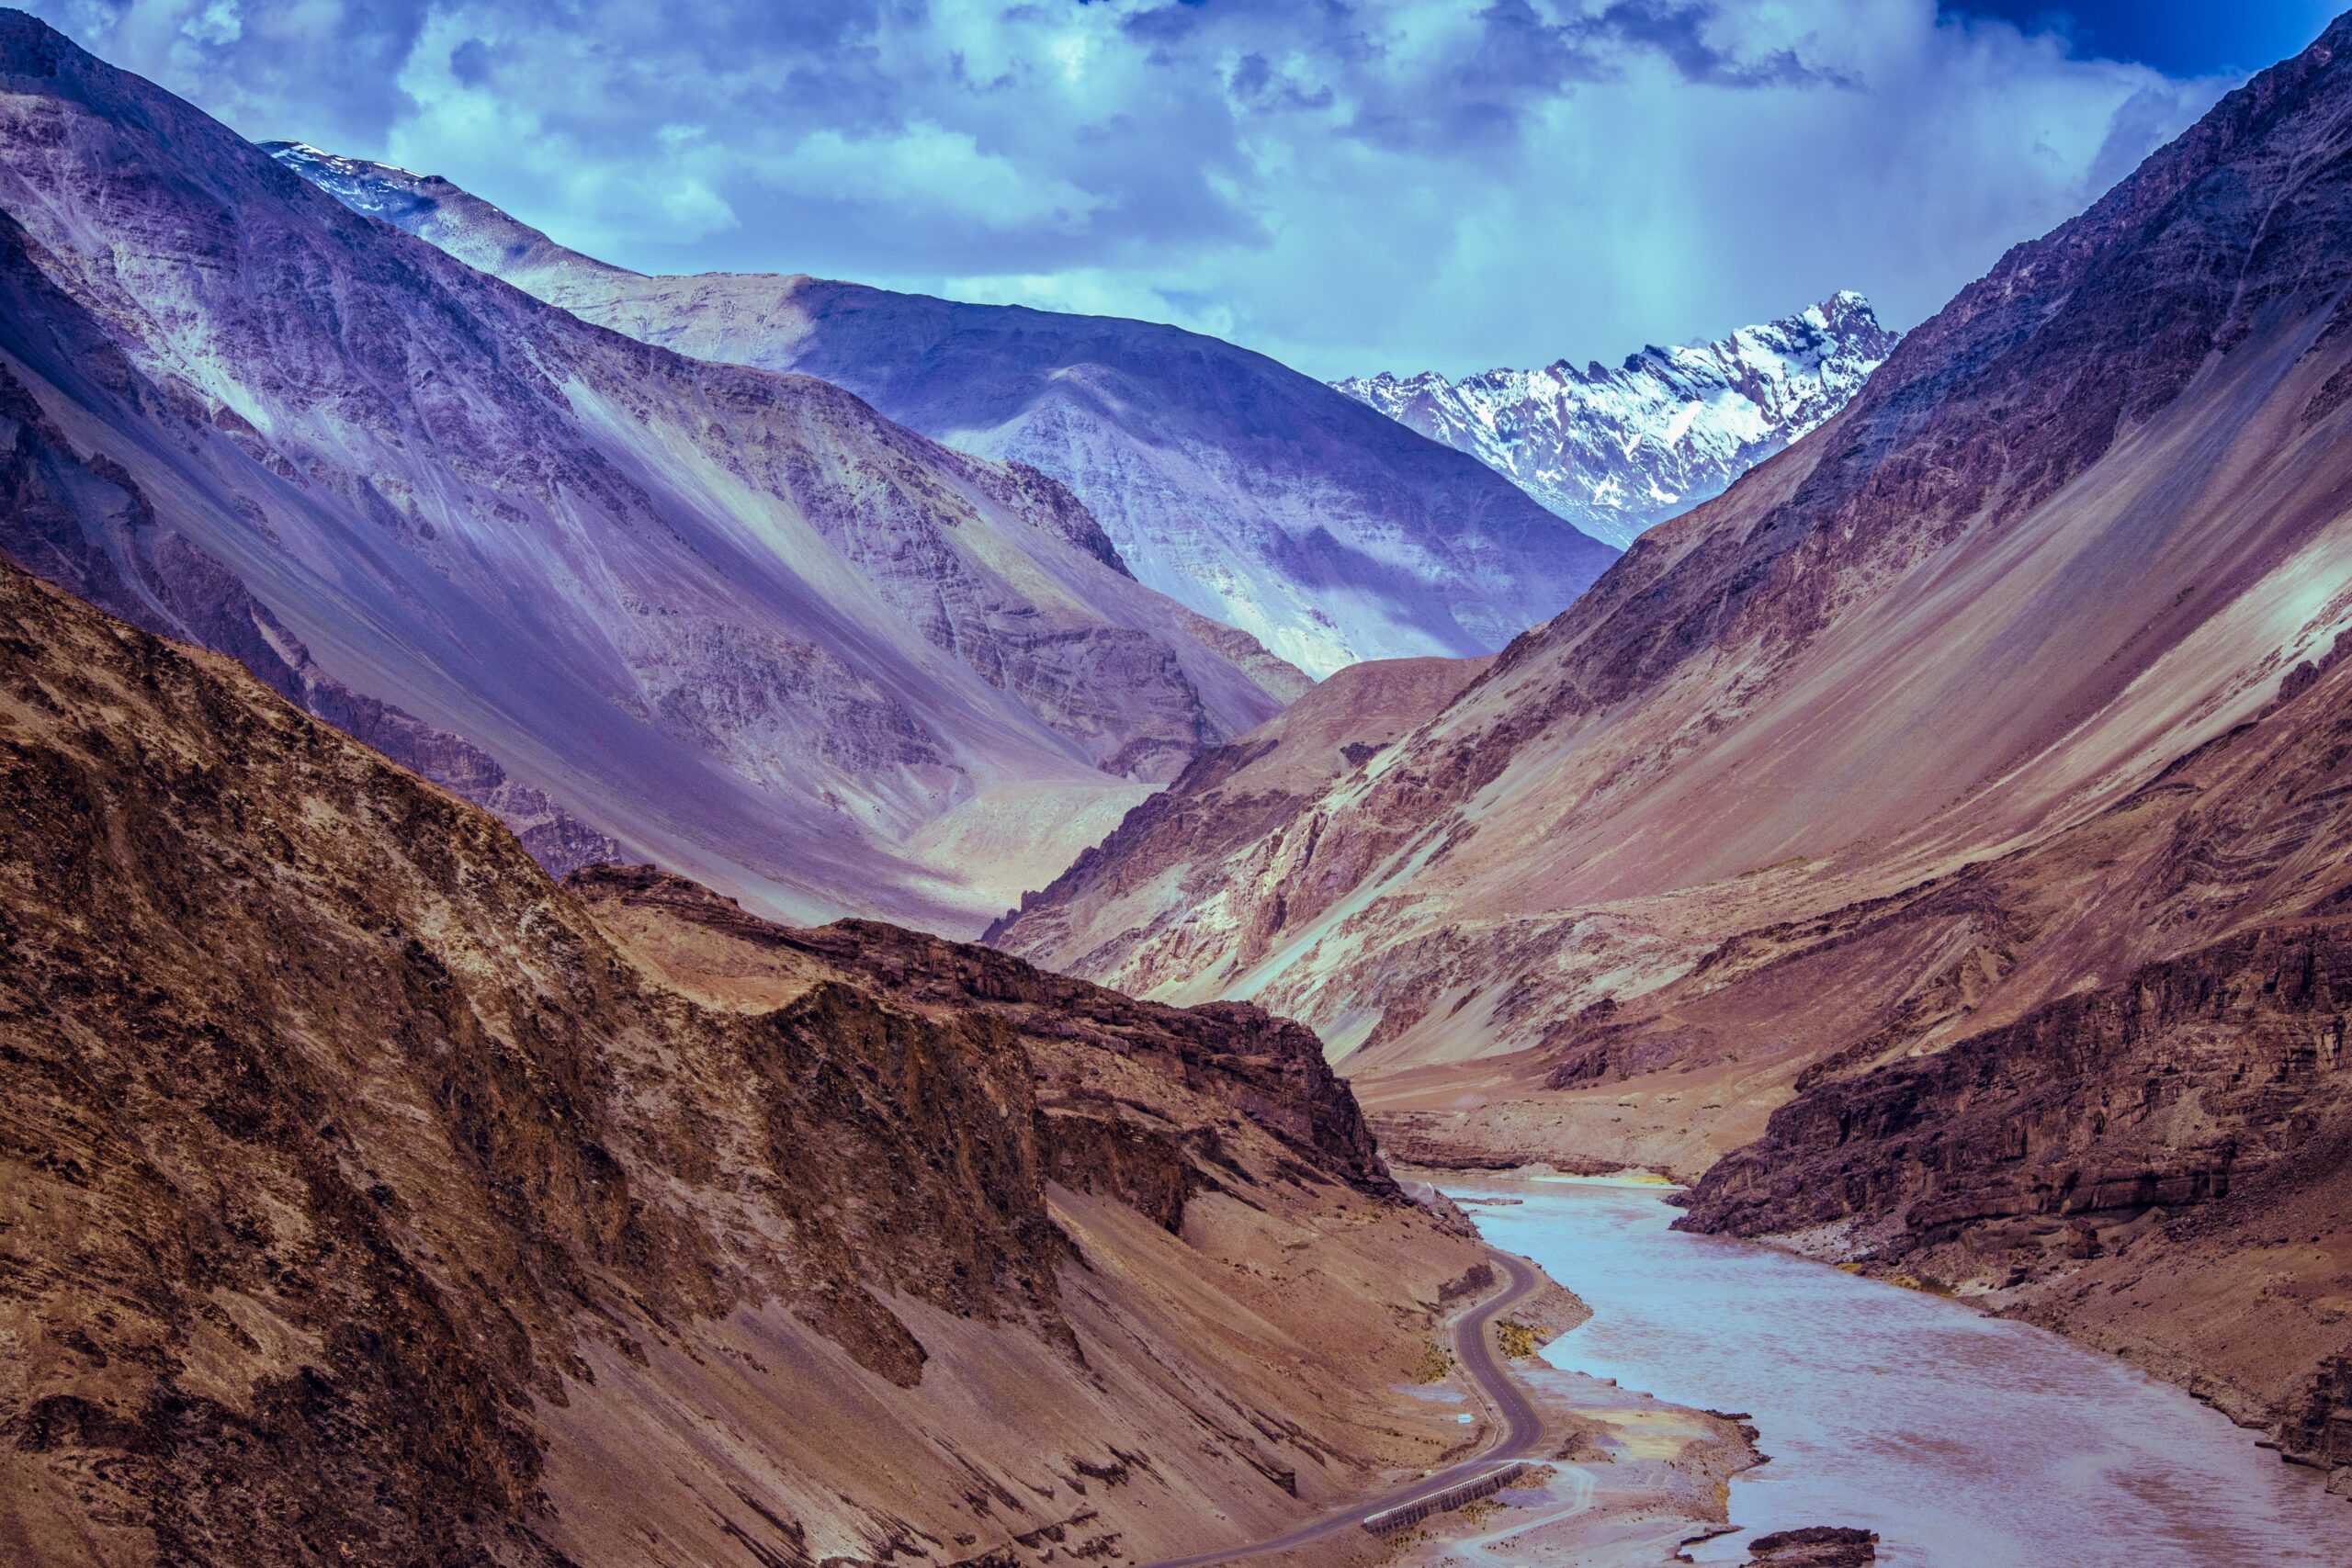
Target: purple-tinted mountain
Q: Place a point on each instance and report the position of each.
(1232, 483)
(732, 621)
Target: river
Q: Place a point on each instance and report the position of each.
(1965, 1441)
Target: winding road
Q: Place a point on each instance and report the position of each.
(1517, 1430)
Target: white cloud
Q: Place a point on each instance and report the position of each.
(1398, 184)
(925, 167)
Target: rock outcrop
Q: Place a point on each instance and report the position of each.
(1614, 451)
(2315, 1424)
(367, 1197)
(2125, 1090)
(1816, 1546)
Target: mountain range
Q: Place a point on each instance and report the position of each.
(646, 606)
(366, 1194)
(437, 664)
(1929, 847)
(1614, 451)
(1238, 487)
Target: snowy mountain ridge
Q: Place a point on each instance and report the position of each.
(1613, 451)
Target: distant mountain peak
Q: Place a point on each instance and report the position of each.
(483, 236)
(1614, 451)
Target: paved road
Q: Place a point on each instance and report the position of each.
(1518, 1429)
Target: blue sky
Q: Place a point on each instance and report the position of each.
(2181, 37)
(1349, 185)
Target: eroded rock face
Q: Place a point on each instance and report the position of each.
(2315, 1426)
(2171, 1124)
(1268, 1069)
(733, 618)
(2157, 1095)
(364, 1196)
(1253, 494)
(1616, 450)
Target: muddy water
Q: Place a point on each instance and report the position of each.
(1966, 1442)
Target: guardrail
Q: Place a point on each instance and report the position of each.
(1388, 1521)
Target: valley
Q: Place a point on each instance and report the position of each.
(1928, 849)
(1957, 1439)
(370, 1196)
(721, 917)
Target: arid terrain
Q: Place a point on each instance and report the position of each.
(1954, 798)
(730, 620)
(500, 749)
(1247, 492)
(369, 1197)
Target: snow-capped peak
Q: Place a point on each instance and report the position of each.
(379, 190)
(1616, 450)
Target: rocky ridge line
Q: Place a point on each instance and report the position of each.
(1614, 451)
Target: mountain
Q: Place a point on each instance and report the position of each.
(1954, 805)
(1253, 494)
(2140, 1127)
(367, 1197)
(732, 621)
(1614, 451)
(1236, 799)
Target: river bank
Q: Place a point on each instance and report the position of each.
(1963, 1439)
(1620, 1478)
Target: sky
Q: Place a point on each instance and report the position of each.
(1351, 185)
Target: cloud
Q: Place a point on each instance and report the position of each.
(1679, 33)
(1350, 185)
(943, 173)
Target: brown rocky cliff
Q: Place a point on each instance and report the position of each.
(2119, 1115)
(299, 1043)
(1269, 1070)
(362, 1201)
(2155, 1093)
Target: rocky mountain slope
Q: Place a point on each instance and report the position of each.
(1614, 451)
(730, 620)
(367, 1197)
(1233, 796)
(1253, 494)
(1904, 797)
(2121, 1103)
